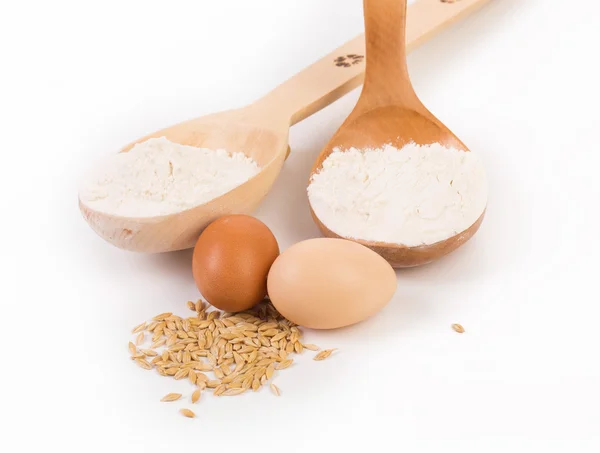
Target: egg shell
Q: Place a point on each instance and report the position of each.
(231, 261)
(329, 283)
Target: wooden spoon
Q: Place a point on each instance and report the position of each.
(261, 132)
(389, 112)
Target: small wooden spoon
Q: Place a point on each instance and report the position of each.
(389, 112)
(261, 132)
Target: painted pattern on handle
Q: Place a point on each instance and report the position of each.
(345, 61)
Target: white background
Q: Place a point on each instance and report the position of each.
(518, 81)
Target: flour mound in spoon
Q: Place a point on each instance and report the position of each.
(416, 195)
(159, 177)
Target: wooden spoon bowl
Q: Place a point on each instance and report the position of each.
(389, 112)
(250, 131)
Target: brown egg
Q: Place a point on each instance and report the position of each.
(231, 262)
(329, 283)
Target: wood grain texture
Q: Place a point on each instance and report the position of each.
(261, 131)
(390, 112)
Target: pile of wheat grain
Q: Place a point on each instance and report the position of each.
(241, 351)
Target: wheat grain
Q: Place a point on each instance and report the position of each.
(311, 347)
(264, 362)
(187, 413)
(213, 315)
(182, 373)
(270, 332)
(247, 383)
(139, 328)
(279, 336)
(159, 343)
(213, 384)
(171, 340)
(162, 316)
(270, 371)
(458, 328)
(323, 354)
(283, 365)
(144, 364)
(177, 347)
(275, 389)
(219, 389)
(196, 396)
(233, 392)
(201, 377)
(226, 369)
(267, 326)
(170, 397)
(139, 339)
(241, 350)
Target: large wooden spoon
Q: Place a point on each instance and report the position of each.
(261, 132)
(389, 112)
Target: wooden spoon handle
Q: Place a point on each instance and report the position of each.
(336, 74)
(386, 74)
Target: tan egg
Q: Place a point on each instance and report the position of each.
(328, 283)
(231, 262)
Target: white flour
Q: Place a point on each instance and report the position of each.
(413, 196)
(159, 177)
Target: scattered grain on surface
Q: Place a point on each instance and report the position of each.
(170, 397)
(196, 396)
(139, 339)
(140, 328)
(311, 347)
(323, 354)
(242, 350)
(187, 413)
(458, 328)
